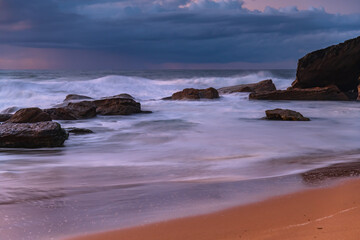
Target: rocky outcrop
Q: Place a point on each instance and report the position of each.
(263, 86)
(30, 115)
(194, 94)
(358, 97)
(71, 97)
(117, 106)
(325, 93)
(73, 111)
(285, 115)
(32, 135)
(336, 65)
(4, 117)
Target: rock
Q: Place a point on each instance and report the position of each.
(195, 94)
(285, 115)
(117, 106)
(358, 97)
(79, 130)
(73, 111)
(75, 97)
(336, 65)
(30, 115)
(263, 86)
(325, 93)
(122, 95)
(32, 135)
(5, 117)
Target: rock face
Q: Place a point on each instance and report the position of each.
(263, 86)
(325, 93)
(285, 115)
(194, 94)
(358, 97)
(122, 95)
(75, 97)
(32, 135)
(4, 117)
(30, 115)
(73, 111)
(336, 65)
(117, 106)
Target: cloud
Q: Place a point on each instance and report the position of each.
(155, 32)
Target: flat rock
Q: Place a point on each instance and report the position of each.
(71, 97)
(263, 86)
(117, 106)
(4, 117)
(336, 65)
(194, 94)
(331, 93)
(32, 135)
(30, 115)
(285, 115)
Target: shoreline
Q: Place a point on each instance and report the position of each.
(327, 212)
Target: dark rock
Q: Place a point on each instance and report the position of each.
(263, 86)
(32, 135)
(117, 106)
(195, 94)
(30, 115)
(285, 115)
(336, 65)
(338, 170)
(325, 93)
(73, 111)
(79, 130)
(76, 97)
(5, 117)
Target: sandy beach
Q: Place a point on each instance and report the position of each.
(321, 213)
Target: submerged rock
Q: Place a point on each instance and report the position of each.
(30, 115)
(336, 65)
(317, 93)
(79, 130)
(194, 94)
(263, 86)
(4, 117)
(32, 135)
(285, 115)
(117, 106)
(75, 97)
(10, 110)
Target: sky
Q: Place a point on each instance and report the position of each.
(170, 34)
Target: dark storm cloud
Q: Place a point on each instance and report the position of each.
(197, 31)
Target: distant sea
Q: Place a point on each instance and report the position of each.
(187, 157)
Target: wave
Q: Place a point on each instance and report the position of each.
(46, 92)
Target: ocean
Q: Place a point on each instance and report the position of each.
(185, 158)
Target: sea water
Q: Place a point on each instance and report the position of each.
(187, 157)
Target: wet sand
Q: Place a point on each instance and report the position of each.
(321, 213)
